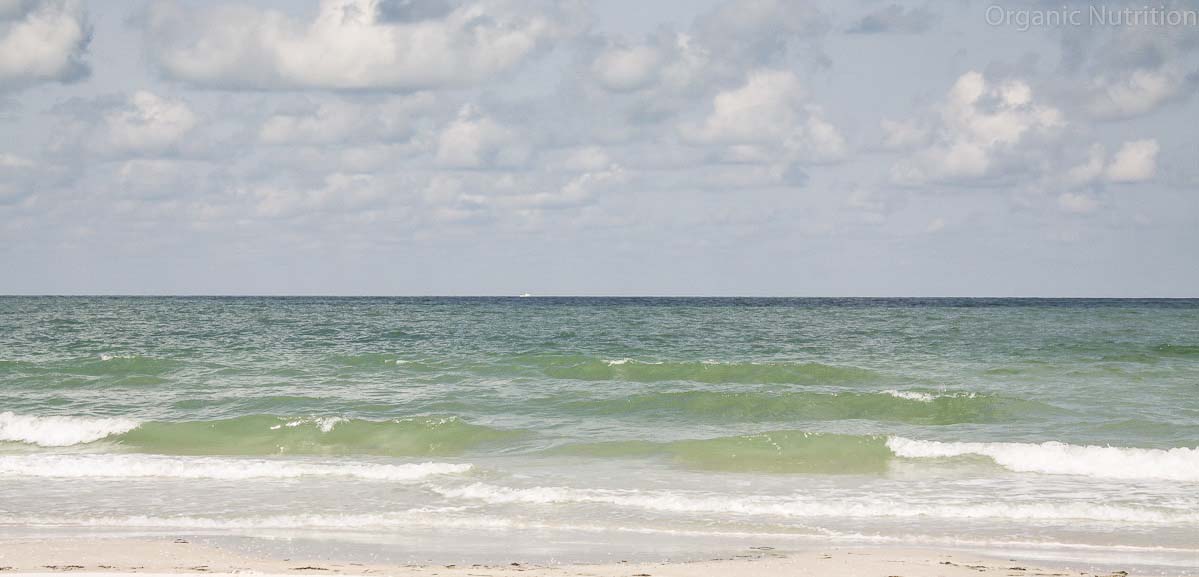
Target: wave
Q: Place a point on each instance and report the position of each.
(591, 369)
(771, 452)
(261, 435)
(826, 453)
(694, 502)
(107, 466)
(60, 431)
(916, 407)
(1177, 464)
(111, 364)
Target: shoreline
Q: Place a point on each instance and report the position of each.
(99, 555)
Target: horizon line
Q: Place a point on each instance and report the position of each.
(593, 296)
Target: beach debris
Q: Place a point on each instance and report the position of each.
(309, 568)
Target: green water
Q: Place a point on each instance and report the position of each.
(1044, 424)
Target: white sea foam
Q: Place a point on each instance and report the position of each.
(927, 397)
(109, 357)
(679, 502)
(159, 466)
(325, 424)
(60, 431)
(911, 395)
(1178, 464)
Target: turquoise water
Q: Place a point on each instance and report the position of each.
(1056, 428)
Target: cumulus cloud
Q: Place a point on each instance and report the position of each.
(15, 175)
(149, 123)
(760, 31)
(980, 123)
(577, 191)
(141, 124)
(474, 140)
(624, 68)
(1077, 203)
(667, 68)
(769, 110)
(339, 192)
(42, 41)
(350, 44)
(1136, 161)
(1134, 70)
(894, 19)
(899, 135)
(340, 121)
(1137, 92)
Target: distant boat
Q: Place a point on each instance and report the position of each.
(525, 295)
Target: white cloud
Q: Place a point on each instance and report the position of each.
(903, 134)
(978, 125)
(341, 121)
(770, 109)
(1136, 161)
(474, 140)
(148, 123)
(579, 190)
(14, 161)
(42, 41)
(1077, 203)
(587, 158)
(348, 45)
(339, 192)
(625, 68)
(1141, 91)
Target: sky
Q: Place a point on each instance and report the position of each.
(495, 147)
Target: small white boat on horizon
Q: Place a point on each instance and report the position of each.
(525, 295)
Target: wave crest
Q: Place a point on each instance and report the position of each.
(1177, 464)
(157, 466)
(57, 431)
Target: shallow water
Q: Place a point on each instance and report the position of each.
(630, 426)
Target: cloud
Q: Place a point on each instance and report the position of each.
(16, 174)
(980, 124)
(898, 135)
(339, 121)
(577, 191)
(769, 110)
(42, 41)
(1076, 203)
(350, 44)
(759, 31)
(338, 193)
(148, 123)
(1131, 70)
(625, 68)
(474, 140)
(1138, 92)
(1136, 161)
(894, 19)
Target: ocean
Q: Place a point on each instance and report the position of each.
(585, 429)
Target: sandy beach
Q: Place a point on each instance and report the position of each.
(107, 556)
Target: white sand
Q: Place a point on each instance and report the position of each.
(108, 556)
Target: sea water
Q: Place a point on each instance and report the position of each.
(582, 429)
